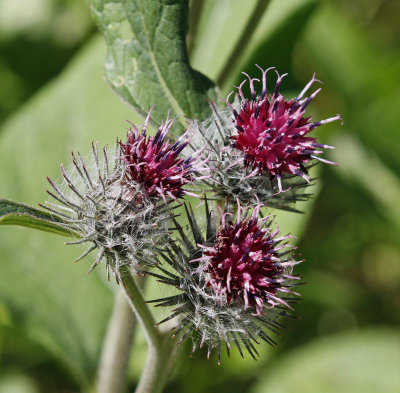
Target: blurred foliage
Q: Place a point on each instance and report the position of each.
(53, 317)
(37, 39)
(366, 362)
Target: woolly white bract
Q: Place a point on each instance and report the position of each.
(109, 213)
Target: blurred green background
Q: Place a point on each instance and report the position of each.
(53, 99)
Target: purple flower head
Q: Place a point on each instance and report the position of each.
(273, 132)
(156, 165)
(207, 274)
(245, 263)
(234, 180)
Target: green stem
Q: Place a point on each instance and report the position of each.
(140, 307)
(117, 347)
(161, 349)
(243, 41)
(158, 366)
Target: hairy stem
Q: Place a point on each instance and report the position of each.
(159, 364)
(117, 347)
(243, 41)
(140, 307)
(161, 349)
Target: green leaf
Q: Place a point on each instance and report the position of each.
(147, 63)
(13, 213)
(48, 297)
(365, 361)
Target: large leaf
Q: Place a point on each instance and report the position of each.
(48, 297)
(13, 213)
(366, 361)
(147, 63)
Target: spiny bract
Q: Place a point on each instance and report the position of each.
(205, 314)
(230, 177)
(97, 203)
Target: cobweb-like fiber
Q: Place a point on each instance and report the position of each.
(110, 215)
(206, 315)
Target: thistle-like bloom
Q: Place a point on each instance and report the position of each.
(211, 308)
(245, 261)
(97, 203)
(272, 133)
(232, 178)
(154, 164)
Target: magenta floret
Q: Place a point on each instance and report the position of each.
(273, 132)
(245, 264)
(157, 165)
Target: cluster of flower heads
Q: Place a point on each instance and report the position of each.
(234, 276)
(235, 281)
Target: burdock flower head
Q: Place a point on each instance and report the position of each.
(235, 283)
(272, 132)
(154, 165)
(230, 177)
(120, 203)
(260, 146)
